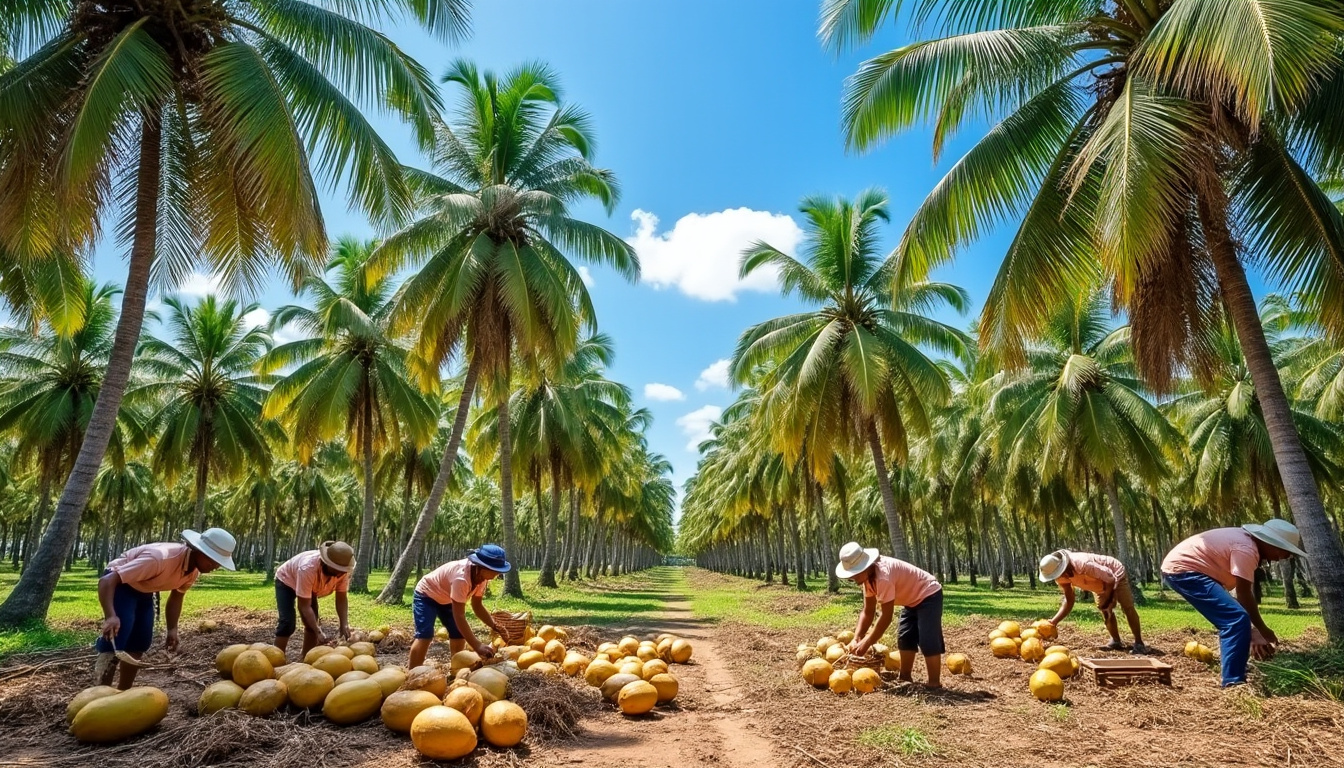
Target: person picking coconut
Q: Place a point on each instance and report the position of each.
(127, 592)
(304, 578)
(1208, 568)
(1105, 578)
(442, 595)
(888, 582)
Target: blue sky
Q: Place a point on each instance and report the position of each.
(718, 116)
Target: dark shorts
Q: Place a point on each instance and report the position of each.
(136, 611)
(287, 605)
(426, 612)
(921, 626)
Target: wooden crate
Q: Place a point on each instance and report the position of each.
(1113, 672)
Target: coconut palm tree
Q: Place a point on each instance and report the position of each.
(492, 247)
(853, 368)
(1132, 138)
(199, 122)
(351, 377)
(206, 395)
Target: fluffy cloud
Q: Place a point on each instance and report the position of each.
(586, 275)
(699, 255)
(198, 286)
(716, 375)
(663, 393)
(695, 425)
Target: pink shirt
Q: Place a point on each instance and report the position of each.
(1093, 573)
(450, 583)
(1222, 554)
(303, 574)
(158, 567)
(897, 581)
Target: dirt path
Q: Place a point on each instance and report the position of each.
(710, 728)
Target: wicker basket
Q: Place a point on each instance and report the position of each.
(851, 662)
(512, 626)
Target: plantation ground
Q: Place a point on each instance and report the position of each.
(741, 703)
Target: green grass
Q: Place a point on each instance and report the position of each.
(75, 612)
(1317, 673)
(907, 741)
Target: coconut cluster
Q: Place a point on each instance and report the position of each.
(817, 663)
(633, 674)
(1035, 644)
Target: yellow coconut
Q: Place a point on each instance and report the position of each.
(665, 648)
(637, 698)
(1046, 685)
(251, 667)
(845, 637)
(427, 678)
(544, 668)
(335, 664)
(87, 695)
(120, 716)
(1192, 649)
(633, 667)
(866, 680)
(1064, 649)
(647, 652)
(598, 672)
(611, 688)
(316, 652)
(1046, 630)
(353, 702)
(308, 688)
(272, 654)
(667, 686)
(399, 709)
(468, 701)
(504, 724)
(1029, 633)
(655, 667)
(681, 651)
(364, 648)
(442, 733)
(817, 672)
(608, 648)
(628, 646)
(345, 651)
(390, 679)
(529, 658)
(464, 660)
(493, 681)
(575, 663)
(353, 675)
(995, 634)
(1004, 648)
(892, 661)
(209, 625)
(958, 664)
(225, 658)
(825, 642)
(1032, 649)
(363, 663)
(1059, 663)
(554, 651)
(1206, 654)
(376, 637)
(840, 681)
(264, 697)
(835, 653)
(880, 649)
(1010, 628)
(441, 634)
(803, 655)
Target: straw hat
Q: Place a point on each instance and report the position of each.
(1054, 564)
(215, 543)
(337, 555)
(1278, 533)
(854, 560)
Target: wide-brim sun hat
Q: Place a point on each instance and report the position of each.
(854, 560)
(215, 543)
(337, 555)
(1053, 565)
(1278, 533)
(490, 556)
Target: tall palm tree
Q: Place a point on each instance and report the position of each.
(492, 247)
(852, 368)
(351, 377)
(1133, 138)
(208, 398)
(201, 121)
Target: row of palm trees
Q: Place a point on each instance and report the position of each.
(1150, 150)
(204, 130)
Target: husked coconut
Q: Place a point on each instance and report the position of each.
(399, 709)
(468, 701)
(866, 680)
(504, 724)
(637, 698)
(840, 681)
(443, 733)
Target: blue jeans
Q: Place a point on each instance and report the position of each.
(1224, 612)
(136, 611)
(426, 611)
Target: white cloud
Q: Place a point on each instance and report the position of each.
(663, 393)
(700, 254)
(257, 318)
(716, 375)
(198, 286)
(586, 275)
(695, 425)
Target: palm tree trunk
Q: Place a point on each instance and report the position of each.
(270, 544)
(395, 588)
(898, 548)
(31, 596)
(1120, 526)
(513, 586)
(359, 580)
(824, 523)
(38, 517)
(799, 567)
(572, 535)
(1319, 538)
(551, 545)
(202, 488)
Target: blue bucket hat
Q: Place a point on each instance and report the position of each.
(490, 556)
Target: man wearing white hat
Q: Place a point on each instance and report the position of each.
(888, 582)
(1207, 567)
(129, 585)
(304, 578)
(1103, 576)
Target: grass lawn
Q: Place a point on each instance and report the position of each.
(75, 612)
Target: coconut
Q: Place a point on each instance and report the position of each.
(427, 678)
(120, 716)
(575, 663)
(250, 667)
(1064, 649)
(364, 649)
(504, 724)
(1192, 649)
(536, 644)
(441, 634)
(263, 698)
(655, 667)
(272, 653)
(353, 675)
(995, 634)
(681, 651)
(554, 651)
(628, 646)
(665, 648)
(224, 694)
(316, 652)
(547, 632)
(817, 672)
(608, 648)
(845, 637)
(1032, 650)
(866, 680)
(1029, 633)
(835, 653)
(224, 660)
(209, 625)
(442, 733)
(880, 649)
(632, 667)
(825, 642)
(1059, 663)
(544, 668)
(892, 661)
(529, 658)
(87, 695)
(468, 701)
(1046, 685)
(1011, 628)
(1004, 648)
(390, 679)
(805, 654)
(666, 685)
(364, 664)
(637, 698)
(611, 688)
(464, 660)
(647, 652)
(376, 636)
(958, 664)
(840, 681)
(353, 702)
(492, 680)
(334, 664)
(597, 673)
(345, 651)
(399, 709)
